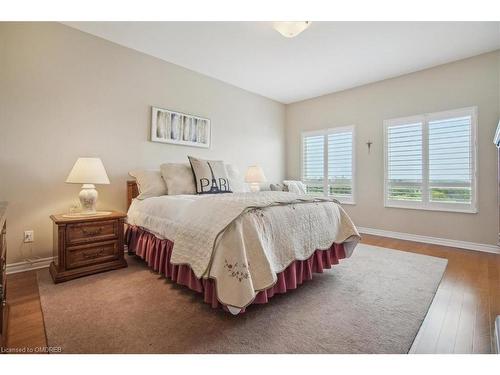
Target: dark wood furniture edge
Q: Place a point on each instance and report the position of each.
(132, 191)
(4, 305)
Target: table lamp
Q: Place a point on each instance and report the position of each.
(254, 176)
(88, 171)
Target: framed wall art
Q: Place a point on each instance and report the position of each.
(179, 128)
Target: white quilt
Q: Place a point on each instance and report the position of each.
(244, 239)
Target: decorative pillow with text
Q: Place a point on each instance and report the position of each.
(210, 176)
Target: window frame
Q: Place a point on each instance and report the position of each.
(426, 203)
(325, 132)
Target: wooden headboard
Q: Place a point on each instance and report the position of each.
(132, 191)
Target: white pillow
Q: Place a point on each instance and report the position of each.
(294, 186)
(235, 180)
(179, 178)
(149, 183)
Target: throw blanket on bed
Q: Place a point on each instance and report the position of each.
(204, 221)
(244, 240)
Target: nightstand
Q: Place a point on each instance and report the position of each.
(84, 245)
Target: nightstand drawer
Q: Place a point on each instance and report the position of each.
(91, 232)
(86, 255)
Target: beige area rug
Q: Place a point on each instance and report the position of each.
(373, 302)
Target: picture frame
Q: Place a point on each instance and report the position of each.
(179, 128)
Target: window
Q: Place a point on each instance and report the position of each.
(430, 161)
(327, 163)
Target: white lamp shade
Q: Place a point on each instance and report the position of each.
(291, 29)
(255, 174)
(88, 171)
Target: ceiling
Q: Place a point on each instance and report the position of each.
(327, 57)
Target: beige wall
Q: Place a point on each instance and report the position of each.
(65, 94)
(470, 82)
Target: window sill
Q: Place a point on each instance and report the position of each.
(438, 209)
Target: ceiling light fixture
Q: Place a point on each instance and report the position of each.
(291, 29)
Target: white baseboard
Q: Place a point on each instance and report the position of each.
(29, 265)
(432, 240)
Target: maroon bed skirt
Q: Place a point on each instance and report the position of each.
(157, 252)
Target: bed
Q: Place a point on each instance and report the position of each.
(238, 249)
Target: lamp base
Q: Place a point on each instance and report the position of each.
(254, 187)
(88, 199)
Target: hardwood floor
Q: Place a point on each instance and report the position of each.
(460, 319)
(26, 331)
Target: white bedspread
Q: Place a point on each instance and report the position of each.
(244, 239)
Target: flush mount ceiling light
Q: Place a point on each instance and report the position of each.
(291, 29)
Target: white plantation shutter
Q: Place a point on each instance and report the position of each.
(340, 164)
(430, 161)
(404, 161)
(313, 162)
(450, 160)
(327, 163)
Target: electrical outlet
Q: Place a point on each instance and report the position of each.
(29, 236)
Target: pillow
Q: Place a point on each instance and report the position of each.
(210, 176)
(294, 186)
(278, 187)
(235, 180)
(149, 183)
(179, 178)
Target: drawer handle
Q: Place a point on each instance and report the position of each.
(92, 232)
(93, 255)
